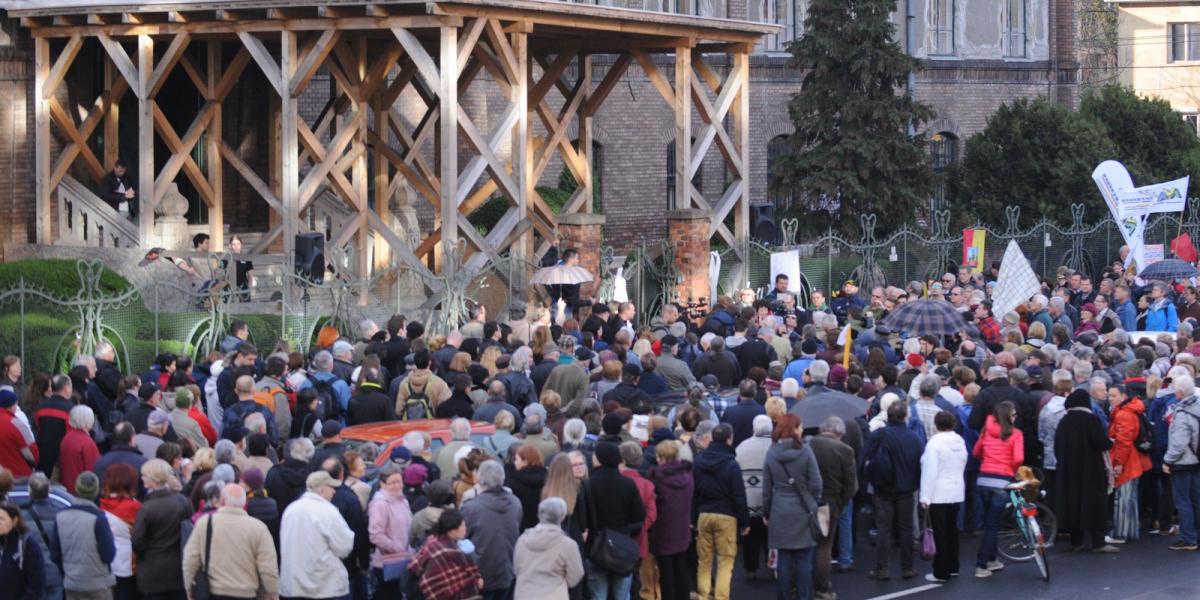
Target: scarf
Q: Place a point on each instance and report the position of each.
(125, 509)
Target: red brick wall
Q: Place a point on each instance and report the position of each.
(687, 231)
(582, 232)
(17, 185)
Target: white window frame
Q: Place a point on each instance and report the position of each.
(1184, 37)
(942, 26)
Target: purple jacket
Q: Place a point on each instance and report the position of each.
(673, 486)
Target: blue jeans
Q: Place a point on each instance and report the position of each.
(605, 585)
(795, 572)
(845, 537)
(1186, 490)
(970, 514)
(993, 501)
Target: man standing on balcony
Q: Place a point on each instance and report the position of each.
(116, 189)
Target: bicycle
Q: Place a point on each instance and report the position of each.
(1027, 528)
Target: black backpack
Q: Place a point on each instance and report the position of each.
(417, 404)
(1145, 434)
(328, 402)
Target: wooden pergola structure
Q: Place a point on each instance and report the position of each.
(374, 51)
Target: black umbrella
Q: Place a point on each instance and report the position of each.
(926, 317)
(1169, 269)
(814, 409)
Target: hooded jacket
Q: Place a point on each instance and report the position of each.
(493, 524)
(547, 563)
(1183, 436)
(942, 467)
(285, 482)
(673, 489)
(791, 491)
(526, 484)
(719, 485)
(1123, 429)
(389, 519)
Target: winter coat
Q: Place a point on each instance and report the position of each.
(791, 491)
(128, 455)
(50, 426)
(526, 484)
(493, 524)
(1123, 430)
(389, 520)
(942, 467)
(547, 564)
(674, 371)
(1081, 480)
(520, 388)
(646, 492)
(77, 453)
(285, 482)
(571, 382)
(750, 456)
(265, 509)
(83, 544)
(617, 503)
(314, 538)
(188, 428)
(1161, 316)
(1183, 436)
(242, 554)
(719, 485)
(157, 541)
(673, 487)
(627, 395)
(902, 451)
(498, 444)
(370, 405)
(839, 470)
(121, 514)
(996, 391)
(740, 416)
(723, 366)
(22, 567)
(1048, 420)
(998, 456)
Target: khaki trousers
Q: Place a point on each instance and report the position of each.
(715, 535)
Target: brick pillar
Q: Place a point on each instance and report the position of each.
(581, 232)
(687, 231)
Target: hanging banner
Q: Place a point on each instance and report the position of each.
(972, 252)
(1113, 178)
(1169, 197)
(1153, 253)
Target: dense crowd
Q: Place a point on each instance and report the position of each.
(604, 458)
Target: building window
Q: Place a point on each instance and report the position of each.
(943, 27)
(697, 179)
(943, 150)
(777, 148)
(1185, 41)
(1193, 121)
(785, 13)
(1014, 29)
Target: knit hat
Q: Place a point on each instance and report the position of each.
(415, 475)
(808, 347)
(838, 375)
(1089, 307)
(612, 423)
(400, 454)
(253, 478)
(327, 336)
(8, 398)
(1078, 399)
(914, 360)
(670, 341)
(661, 434)
(87, 486)
(158, 418)
(183, 398)
(608, 454)
(330, 428)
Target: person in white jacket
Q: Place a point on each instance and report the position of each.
(314, 538)
(942, 490)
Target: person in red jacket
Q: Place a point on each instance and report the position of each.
(18, 450)
(647, 575)
(1000, 450)
(1128, 461)
(77, 453)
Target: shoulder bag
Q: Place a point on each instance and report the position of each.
(818, 516)
(611, 550)
(928, 545)
(200, 589)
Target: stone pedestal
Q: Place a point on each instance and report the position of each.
(687, 230)
(170, 223)
(582, 232)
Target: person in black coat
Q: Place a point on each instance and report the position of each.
(122, 451)
(719, 362)
(117, 188)
(620, 507)
(755, 352)
(627, 393)
(740, 416)
(396, 347)
(998, 390)
(370, 404)
(526, 476)
(285, 481)
(720, 496)
(459, 403)
(259, 504)
(893, 465)
(1081, 479)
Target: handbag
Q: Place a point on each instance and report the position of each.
(818, 517)
(393, 571)
(928, 545)
(200, 589)
(611, 550)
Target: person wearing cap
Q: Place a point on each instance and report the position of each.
(157, 537)
(849, 298)
(343, 360)
(259, 504)
(18, 446)
(185, 426)
(149, 440)
(82, 543)
(804, 352)
(311, 533)
(673, 370)
(79, 452)
(149, 401)
(331, 443)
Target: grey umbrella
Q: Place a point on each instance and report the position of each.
(814, 409)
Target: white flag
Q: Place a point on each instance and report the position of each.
(1168, 197)
(1016, 284)
(844, 337)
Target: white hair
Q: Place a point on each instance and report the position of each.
(762, 425)
(520, 359)
(835, 425)
(818, 371)
(789, 387)
(1082, 371)
(414, 441)
(81, 417)
(323, 362)
(1057, 303)
(574, 431)
(301, 449)
(911, 346)
(1178, 371)
(368, 327)
(552, 510)
(255, 422)
(491, 474)
(233, 495)
(1040, 301)
(1184, 386)
(86, 361)
(460, 430)
(103, 350)
(1061, 375)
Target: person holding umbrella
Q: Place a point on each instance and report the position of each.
(562, 278)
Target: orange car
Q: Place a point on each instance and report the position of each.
(387, 435)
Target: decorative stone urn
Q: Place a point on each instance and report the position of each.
(170, 223)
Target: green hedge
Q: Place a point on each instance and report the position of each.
(56, 276)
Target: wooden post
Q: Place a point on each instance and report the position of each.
(741, 119)
(448, 139)
(44, 220)
(585, 131)
(112, 119)
(289, 168)
(362, 252)
(145, 162)
(683, 126)
(521, 156)
(383, 180)
(216, 212)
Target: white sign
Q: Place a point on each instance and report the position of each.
(787, 263)
(1154, 253)
(1166, 197)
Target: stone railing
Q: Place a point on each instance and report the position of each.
(86, 220)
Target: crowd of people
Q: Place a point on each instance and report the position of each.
(628, 460)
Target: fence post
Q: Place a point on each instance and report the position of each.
(157, 308)
(21, 320)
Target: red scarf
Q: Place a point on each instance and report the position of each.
(125, 509)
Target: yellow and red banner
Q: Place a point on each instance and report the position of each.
(973, 243)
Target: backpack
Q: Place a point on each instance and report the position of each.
(417, 404)
(266, 397)
(1145, 434)
(327, 399)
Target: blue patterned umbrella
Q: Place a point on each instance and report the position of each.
(1169, 270)
(926, 317)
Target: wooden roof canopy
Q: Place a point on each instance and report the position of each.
(551, 24)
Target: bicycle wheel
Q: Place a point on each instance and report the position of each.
(1012, 541)
(1047, 523)
(1033, 528)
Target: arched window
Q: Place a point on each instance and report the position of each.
(697, 179)
(943, 150)
(777, 148)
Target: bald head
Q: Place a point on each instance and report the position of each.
(244, 387)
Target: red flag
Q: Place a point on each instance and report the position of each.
(1183, 248)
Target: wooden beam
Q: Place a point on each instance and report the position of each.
(181, 156)
(79, 141)
(248, 24)
(466, 43)
(145, 162)
(212, 150)
(312, 61)
(425, 64)
(289, 146)
(550, 74)
(401, 248)
(252, 178)
(198, 80)
(656, 77)
(265, 61)
(500, 45)
(44, 220)
(584, 130)
(123, 63)
(682, 105)
(522, 152)
(232, 75)
(611, 79)
(326, 164)
(167, 62)
(741, 120)
(65, 59)
(487, 156)
(448, 138)
(117, 86)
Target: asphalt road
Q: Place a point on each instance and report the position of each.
(1143, 570)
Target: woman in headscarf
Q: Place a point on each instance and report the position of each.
(1081, 479)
